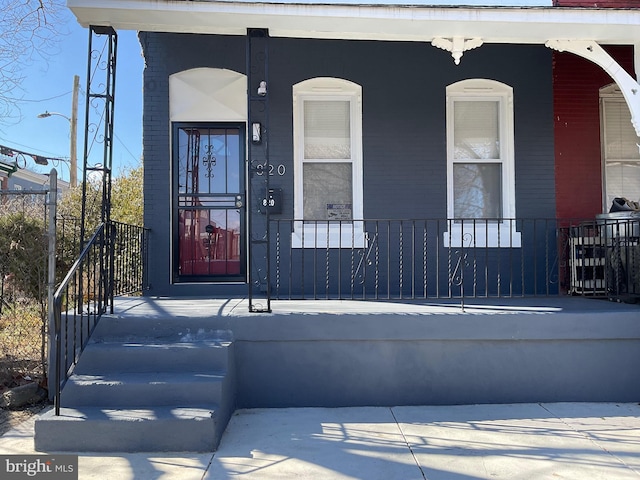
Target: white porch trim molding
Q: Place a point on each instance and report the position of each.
(419, 20)
(456, 45)
(592, 51)
(445, 24)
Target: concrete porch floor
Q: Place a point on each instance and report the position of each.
(239, 307)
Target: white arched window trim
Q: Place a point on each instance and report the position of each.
(344, 232)
(620, 153)
(499, 231)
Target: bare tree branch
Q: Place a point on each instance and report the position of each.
(29, 32)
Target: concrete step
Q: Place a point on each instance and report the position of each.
(151, 429)
(152, 389)
(153, 356)
(124, 328)
(145, 384)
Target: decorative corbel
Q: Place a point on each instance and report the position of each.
(592, 51)
(456, 45)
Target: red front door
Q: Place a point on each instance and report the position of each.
(209, 205)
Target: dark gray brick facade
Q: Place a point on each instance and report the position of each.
(404, 143)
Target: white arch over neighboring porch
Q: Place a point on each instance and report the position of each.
(592, 51)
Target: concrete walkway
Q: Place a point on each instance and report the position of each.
(517, 441)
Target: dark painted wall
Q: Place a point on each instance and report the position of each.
(166, 54)
(577, 83)
(404, 150)
(404, 144)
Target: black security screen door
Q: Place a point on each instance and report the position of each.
(208, 185)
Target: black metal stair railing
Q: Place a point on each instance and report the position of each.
(113, 262)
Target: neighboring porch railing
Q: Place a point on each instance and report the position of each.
(113, 262)
(435, 258)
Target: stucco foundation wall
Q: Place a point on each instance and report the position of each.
(450, 359)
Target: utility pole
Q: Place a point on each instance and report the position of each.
(73, 131)
(73, 156)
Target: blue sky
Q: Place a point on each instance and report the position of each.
(48, 87)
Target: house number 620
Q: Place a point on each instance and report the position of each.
(279, 169)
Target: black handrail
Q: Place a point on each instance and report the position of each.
(67, 289)
(111, 263)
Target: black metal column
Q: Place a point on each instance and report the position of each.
(257, 52)
(98, 137)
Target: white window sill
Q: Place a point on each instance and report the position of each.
(333, 235)
(482, 235)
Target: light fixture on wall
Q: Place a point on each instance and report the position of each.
(262, 89)
(256, 132)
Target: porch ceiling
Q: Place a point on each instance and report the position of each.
(398, 22)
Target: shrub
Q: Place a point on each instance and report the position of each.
(23, 254)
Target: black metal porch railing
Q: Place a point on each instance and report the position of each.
(130, 259)
(603, 258)
(113, 262)
(435, 258)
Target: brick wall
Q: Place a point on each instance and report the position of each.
(577, 131)
(166, 54)
(404, 134)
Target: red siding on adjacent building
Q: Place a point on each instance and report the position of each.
(598, 3)
(577, 131)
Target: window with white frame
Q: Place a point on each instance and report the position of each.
(620, 151)
(480, 165)
(327, 136)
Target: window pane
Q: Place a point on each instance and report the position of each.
(327, 191)
(477, 190)
(622, 180)
(476, 130)
(209, 160)
(209, 242)
(327, 131)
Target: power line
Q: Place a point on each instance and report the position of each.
(46, 152)
(20, 155)
(49, 154)
(45, 99)
(125, 147)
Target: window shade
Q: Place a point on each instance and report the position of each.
(476, 130)
(327, 131)
(620, 137)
